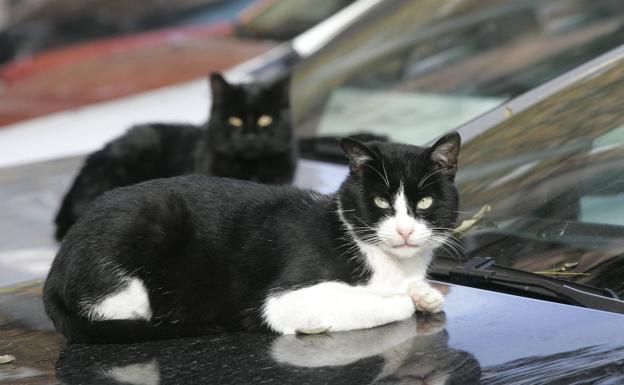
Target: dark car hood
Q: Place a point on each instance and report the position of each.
(483, 337)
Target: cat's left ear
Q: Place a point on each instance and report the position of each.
(445, 152)
(358, 153)
(219, 86)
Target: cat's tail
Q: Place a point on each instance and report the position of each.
(79, 329)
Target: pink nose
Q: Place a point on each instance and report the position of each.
(405, 232)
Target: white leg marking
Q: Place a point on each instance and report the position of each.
(336, 306)
(131, 302)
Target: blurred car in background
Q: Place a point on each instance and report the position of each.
(61, 54)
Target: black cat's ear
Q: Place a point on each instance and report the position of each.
(358, 153)
(445, 152)
(280, 90)
(219, 86)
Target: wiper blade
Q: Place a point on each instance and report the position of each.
(483, 272)
(327, 148)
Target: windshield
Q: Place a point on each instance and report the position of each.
(415, 69)
(285, 19)
(553, 177)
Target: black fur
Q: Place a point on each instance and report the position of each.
(209, 250)
(150, 151)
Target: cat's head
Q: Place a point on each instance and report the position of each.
(400, 198)
(250, 119)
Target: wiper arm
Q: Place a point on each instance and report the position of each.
(327, 148)
(483, 272)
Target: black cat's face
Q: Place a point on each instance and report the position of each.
(400, 198)
(250, 120)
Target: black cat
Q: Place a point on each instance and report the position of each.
(249, 136)
(194, 254)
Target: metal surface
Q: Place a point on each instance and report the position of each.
(483, 337)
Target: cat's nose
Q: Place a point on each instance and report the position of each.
(405, 232)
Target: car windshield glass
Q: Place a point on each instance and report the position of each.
(285, 19)
(415, 69)
(553, 178)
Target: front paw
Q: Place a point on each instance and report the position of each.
(426, 298)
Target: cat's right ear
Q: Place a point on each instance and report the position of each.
(219, 86)
(444, 153)
(358, 153)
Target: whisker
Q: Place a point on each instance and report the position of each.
(378, 173)
(383, 166)
(427, 176)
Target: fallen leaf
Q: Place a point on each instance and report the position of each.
(6, 359)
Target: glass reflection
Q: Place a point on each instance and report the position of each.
(413, 70)
(553, 176)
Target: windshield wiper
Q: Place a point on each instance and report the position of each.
(484, 273)
(327, 148)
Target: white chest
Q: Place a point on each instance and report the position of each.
(391, 275)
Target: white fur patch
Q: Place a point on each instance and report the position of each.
(391, 275)
(333, 305)
(390, 229)
(130, 302)
(425, 297)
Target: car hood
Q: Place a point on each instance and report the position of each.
(482, 338)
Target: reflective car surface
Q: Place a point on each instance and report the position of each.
(482, 338)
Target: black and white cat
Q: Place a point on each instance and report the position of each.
(249, 136)
(194, 254)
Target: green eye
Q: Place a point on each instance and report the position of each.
(265, 120)
(235, 121)
(381, 203)
(424, 203)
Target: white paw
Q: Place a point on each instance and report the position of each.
(426, 298)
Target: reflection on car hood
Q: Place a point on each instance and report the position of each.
(483, 337)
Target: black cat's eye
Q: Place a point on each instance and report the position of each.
(235, 121)
(265, 121)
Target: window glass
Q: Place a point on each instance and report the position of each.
(553, 176)
(415, 69)
(285, 19)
